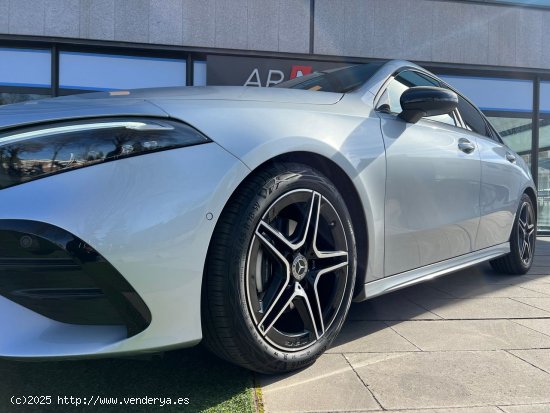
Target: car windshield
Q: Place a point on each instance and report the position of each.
(340, 80)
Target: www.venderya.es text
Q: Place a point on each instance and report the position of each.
(95, 400)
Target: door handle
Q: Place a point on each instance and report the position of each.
(465, 145)
(510, 157)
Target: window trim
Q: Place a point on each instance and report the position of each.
(485, 120)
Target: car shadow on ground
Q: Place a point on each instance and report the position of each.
(192, 373)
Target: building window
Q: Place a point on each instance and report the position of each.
(25, 74)
(199, 73)
(92, 71)
(544, 158)
(508, 103)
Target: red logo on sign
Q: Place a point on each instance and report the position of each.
(298, 71)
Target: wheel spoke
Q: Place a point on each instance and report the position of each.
(274, 239)
(274, 312)
(276, 253)
(271, 293)
(303, 305)
(315, 283)
(524, 216)
(522, 223)
(521, 231)
(310, 228)
(522, 249)
(527, 251)
(330, 261)
(309, 319)
(323, 254)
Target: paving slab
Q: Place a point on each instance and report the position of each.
(329, 385)
(541, 278)
(395, 306)
(537, 357)
(492, 290)
(448, 335)
(481, 274)
(540, 286)
(450, 379)
(542, 303)
(370, 336)
(424, 290)
(542, 325)
(485, 409)
(482, 308)
(530, 408)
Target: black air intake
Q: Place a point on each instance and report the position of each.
(54, 273)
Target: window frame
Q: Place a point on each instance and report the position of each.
(491, 132)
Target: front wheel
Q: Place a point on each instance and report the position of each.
(280, 271)
(522, 241)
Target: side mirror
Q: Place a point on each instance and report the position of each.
(420, 101)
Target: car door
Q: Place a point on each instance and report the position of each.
(432, 183)
(502, 178)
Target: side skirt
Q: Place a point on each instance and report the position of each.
(430, 272)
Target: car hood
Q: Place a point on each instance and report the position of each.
(240, 93)
(46, 110)
(136, 102)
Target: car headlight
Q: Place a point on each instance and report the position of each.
(39, 151)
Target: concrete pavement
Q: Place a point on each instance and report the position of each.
(471, 342)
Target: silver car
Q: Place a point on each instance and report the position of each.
(249, 218)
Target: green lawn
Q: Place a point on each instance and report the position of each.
(210, 384)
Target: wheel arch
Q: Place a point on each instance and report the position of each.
(531, 194)
(344, 184)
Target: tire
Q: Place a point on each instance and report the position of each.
(273, 301)
(522, 241)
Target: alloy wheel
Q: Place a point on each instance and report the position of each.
(526, 233)
(297, 270)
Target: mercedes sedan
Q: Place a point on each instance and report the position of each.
(249, 218)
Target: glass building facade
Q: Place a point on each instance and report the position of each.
(517, 103)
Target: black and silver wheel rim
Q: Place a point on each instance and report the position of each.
(297, 270)
(526, 233)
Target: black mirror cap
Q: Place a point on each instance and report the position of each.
(420, 101)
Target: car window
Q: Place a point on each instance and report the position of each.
(390, 99)
(340, 80)
(472, 119)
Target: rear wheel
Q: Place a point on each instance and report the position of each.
(522, 241)
(280, 272)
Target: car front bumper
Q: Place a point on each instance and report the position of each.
(151, 218)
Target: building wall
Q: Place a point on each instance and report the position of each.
(421, 30)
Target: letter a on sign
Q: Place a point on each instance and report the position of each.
(254, 79)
